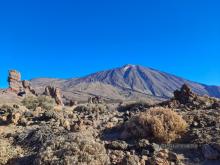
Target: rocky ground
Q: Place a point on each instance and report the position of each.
(41, 130)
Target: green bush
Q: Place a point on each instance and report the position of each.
(44, 102)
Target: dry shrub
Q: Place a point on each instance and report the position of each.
(44, 102)
(157, 124)
(8, 151)
(73, 148)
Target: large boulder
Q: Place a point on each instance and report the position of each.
(184, 95)
(27, 87)
(54, 93)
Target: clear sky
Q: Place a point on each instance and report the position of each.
(72, 38)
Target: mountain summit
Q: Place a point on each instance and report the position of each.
(126, 82)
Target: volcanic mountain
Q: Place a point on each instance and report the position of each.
(130, 82)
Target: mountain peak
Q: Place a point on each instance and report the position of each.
(128, 66)
(131, 82)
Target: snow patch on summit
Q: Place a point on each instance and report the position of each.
(126, 67)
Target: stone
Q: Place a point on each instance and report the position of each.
(143, 143)
(172, 156)
(27, 87)
(195, 124)
(55, 93)
(73, 103)
(95, 100)
(209, 152)
(186, 99)
(26, 83)
(66, 125)
(155, 147)
(14, 80)
(20, 87)
(185, 95)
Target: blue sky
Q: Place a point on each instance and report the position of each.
(72, 38)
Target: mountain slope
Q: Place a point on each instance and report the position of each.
(127, 82)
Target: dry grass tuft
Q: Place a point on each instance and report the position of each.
(157, 124)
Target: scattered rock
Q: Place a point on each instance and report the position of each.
(155, 147)
(143, 143)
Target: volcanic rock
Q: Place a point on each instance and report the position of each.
(54, 93)
(95, 100)
(186, 99)
(185, 95)
(14, 80)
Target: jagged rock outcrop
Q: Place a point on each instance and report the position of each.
(14, 80)
(185, 98)
(17, 85)
(95, 100)
(184, 95)
(26, 84)
(27, 87)
(54, 93)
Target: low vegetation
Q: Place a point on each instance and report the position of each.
(44, 102)
(73, 148)
(157, 124)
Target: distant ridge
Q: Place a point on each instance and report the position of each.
(129, 82)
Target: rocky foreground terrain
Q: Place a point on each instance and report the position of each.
(43, 129)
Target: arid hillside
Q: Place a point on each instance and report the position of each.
(130, 82)
(45, 129)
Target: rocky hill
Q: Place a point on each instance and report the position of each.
(130, 82)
